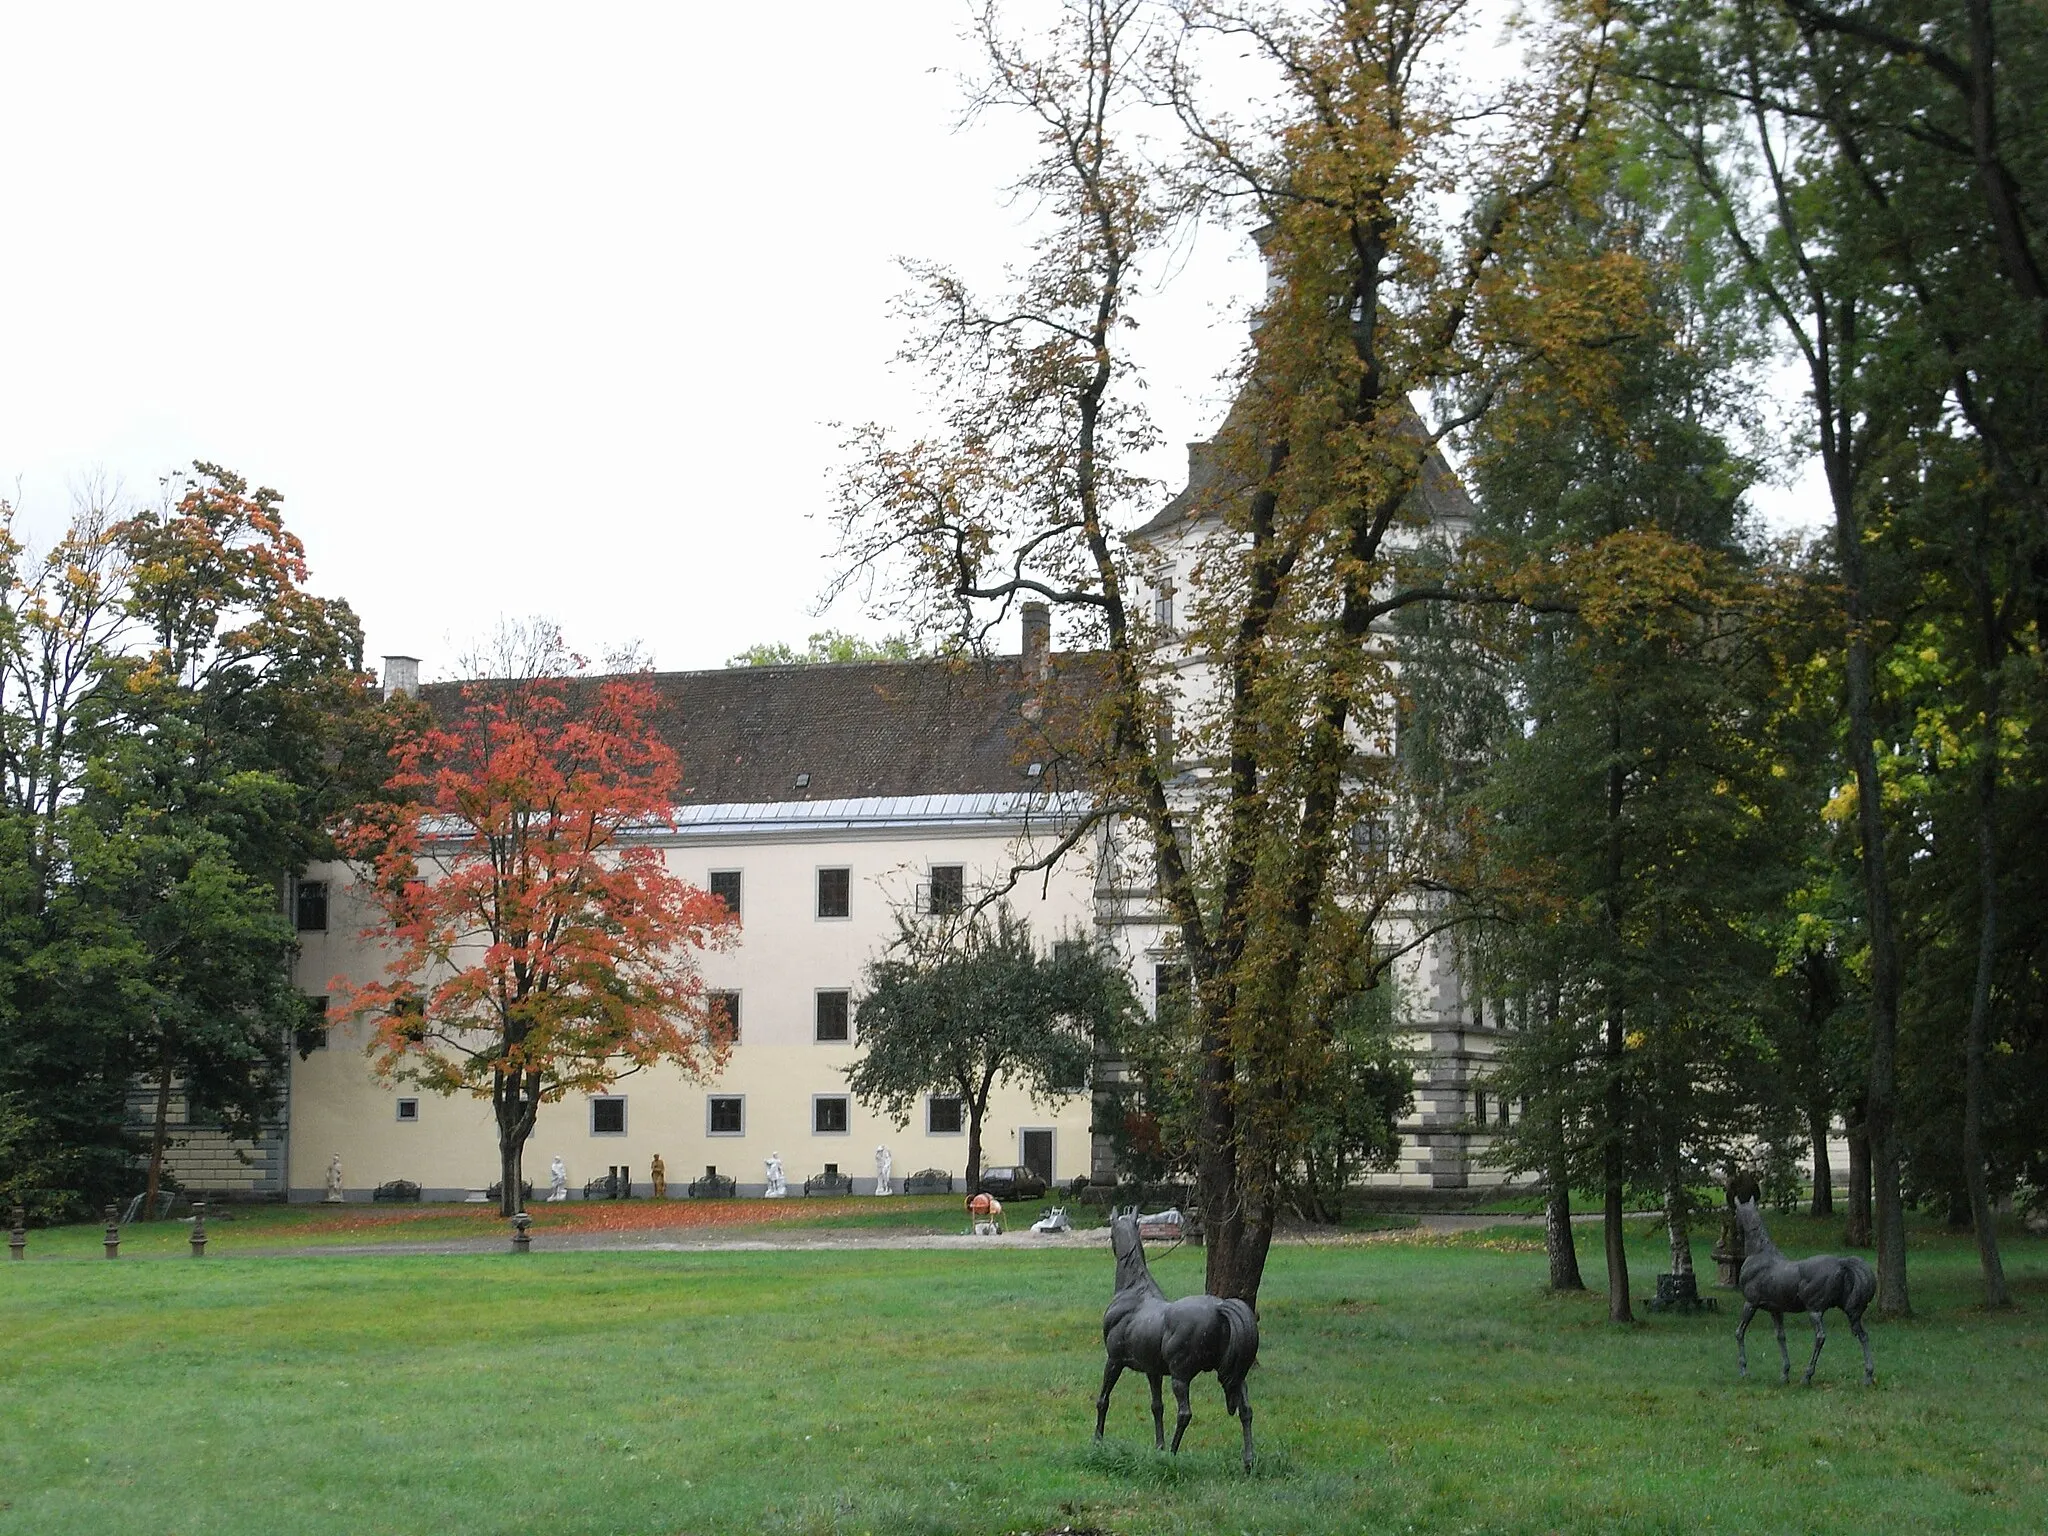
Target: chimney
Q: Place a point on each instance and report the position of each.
(401, 675)
(1037, 655)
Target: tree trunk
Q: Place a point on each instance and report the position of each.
(974, 1113)
(1995, 1292)
(1817, 1122)
(1880, 1109)
(161, 1134)
(1614, 1096)
(1557, 1217)
(1223, 1223)
(516, 1099)
(1678, 1218)
(1857, 1233)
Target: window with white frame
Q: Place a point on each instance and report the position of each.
(408, 1111)
(944, 1115)
(835, 892)
(831, 1114)
(608, 1115)
(724, 1008)
(725, 1114)
(725, 885)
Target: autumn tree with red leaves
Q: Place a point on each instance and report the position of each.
(539, 945)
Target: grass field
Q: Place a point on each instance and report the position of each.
(1406, 1383)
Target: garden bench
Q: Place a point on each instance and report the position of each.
(830, 1182)
(397, 1189)
(932, 1181)
(713, 1186)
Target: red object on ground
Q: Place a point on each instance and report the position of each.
(985, 1206)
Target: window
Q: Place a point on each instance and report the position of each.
(1170, 993)
(1503, 1116)
(312, 905)
(311, 1035)
(832, 1016)
(608, 1117)
(943, 1117)
(949, 890)
(725, 1006)
(829, 1115)
(1479, 1104)
(726, 1115)
(1162, 604)
(725, 885)
(408, 1109)
(835, 892)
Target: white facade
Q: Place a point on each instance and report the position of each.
(787, 955)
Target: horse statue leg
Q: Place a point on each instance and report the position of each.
(1158, 1416)
(1244, 1414)
(1784, 1354)
(1863, 1337)
(1741, 1344)
(1110, 1372)
(1187, 1414)
(1820, 1337)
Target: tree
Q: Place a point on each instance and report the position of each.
(826, 645)
(539, 949)
(179, 716)
(1025, 484)
(959, 1008)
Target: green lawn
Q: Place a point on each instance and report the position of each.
(1406, 1384)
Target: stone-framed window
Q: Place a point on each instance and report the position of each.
(726, 1006)
(944, 1115)
(608, 1115)
(408, 1111)
(834, 1018)
(725, 1114)
(835, 892)
(311, 1035)
(310, 908)
(725, 885)
(831, 1114)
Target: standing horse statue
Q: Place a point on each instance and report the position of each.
(1143, 1331)
(1779, 1285)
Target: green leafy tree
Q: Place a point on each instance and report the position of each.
(827, 645)
(960, 1008)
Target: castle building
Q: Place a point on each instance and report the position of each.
(822, 801)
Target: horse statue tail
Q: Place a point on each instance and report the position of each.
(1241, 1350)
(1862, 1286)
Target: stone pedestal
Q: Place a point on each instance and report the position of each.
(1679, 1293)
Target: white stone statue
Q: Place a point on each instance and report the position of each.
(333, 1182)
(884, 1163)
(558, 1181)
(776, 1187)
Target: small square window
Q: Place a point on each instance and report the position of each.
(832, 1016)
(725, 1011)
(408, 1109)
(311, 1035)
(942, 1117)
(312, 906)
(608, 1117)
(835, 892)
(829, 1115)
(949, 890)
(727, 1115)
(725, 885)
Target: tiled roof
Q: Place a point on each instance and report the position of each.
(859, 729)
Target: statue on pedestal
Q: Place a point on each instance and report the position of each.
(333, 1182)
(777, 1188)
(558, 1181)
(884, 1164)
(659, 1170)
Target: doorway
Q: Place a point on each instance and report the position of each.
(1037, 1153)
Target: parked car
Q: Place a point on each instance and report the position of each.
(1009, 1183)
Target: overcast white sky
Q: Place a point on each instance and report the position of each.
(524, 309)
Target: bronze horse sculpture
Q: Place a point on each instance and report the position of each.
(1778, 1285)
(1143, 1331)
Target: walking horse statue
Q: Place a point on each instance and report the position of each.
(1143, 1331)
(1778, 1285)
